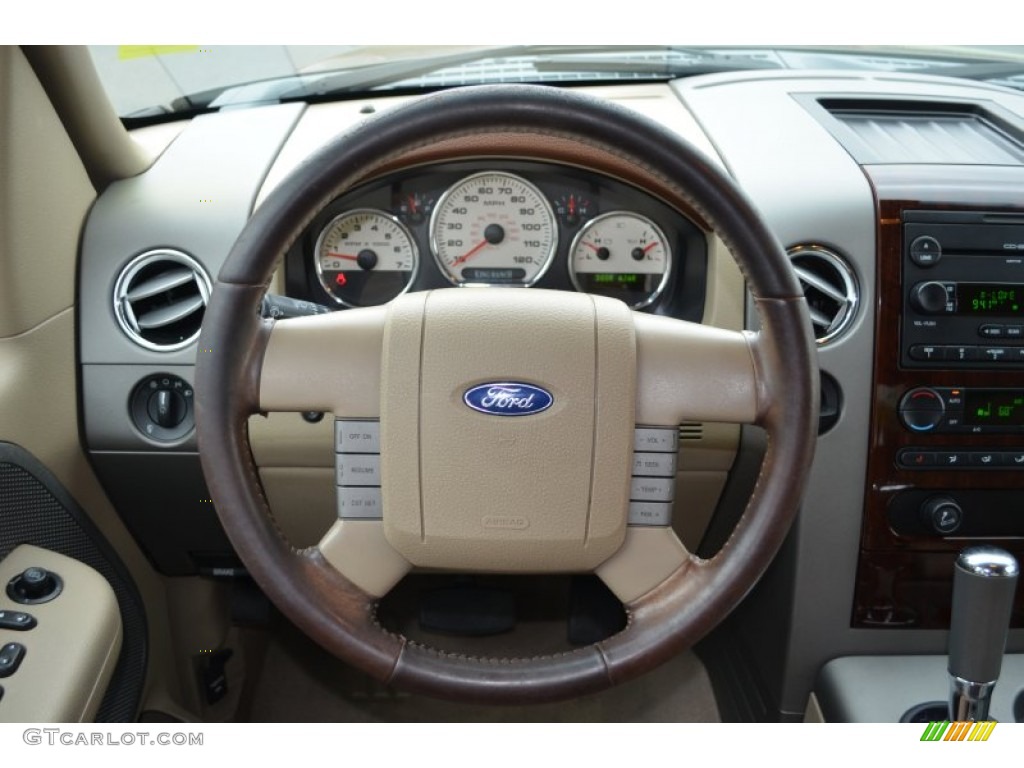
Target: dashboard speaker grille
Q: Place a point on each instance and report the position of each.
(830, 287)
(160, 298)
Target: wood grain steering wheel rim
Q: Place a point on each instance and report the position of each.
(549, 124)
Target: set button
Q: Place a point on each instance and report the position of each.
(357, 469)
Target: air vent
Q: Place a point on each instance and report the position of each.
(691, 430)
(830, 287)
(160, 298)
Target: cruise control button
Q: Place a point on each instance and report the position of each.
(16, 620)
(654, 439)
(359, 504)
(358, 469)
(10, 658)
(356, 436)
(654, 464)
(652, 489)
(650, 513)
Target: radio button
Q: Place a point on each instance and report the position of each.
(1014, 331)
(934, 298)
(927, 352)
(992, 331)
(925, 251)
(963, 354)
(996, 355)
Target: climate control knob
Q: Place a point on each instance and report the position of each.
(921, 409)
(929, 298)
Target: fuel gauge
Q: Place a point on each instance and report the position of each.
(414, 208)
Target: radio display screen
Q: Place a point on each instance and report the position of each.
(996, 407)
(1006, 299)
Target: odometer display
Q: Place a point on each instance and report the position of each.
(622, 255)
(493, 229)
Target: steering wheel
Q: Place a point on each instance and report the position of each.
(464, 490)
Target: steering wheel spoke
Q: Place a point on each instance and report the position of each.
(327, 363)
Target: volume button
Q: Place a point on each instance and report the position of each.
(929, 298)
(922, 409)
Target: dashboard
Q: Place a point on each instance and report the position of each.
(866, 571)
(509, 224)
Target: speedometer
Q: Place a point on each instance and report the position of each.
(493, 228)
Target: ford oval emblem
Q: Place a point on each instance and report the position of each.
(508, 398)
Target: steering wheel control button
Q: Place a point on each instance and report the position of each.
(652, 489)
(359, 504)
(161, 407)
(654, 464)
(359, 469)
(921, 409)
(356, 436)
(34, 585)
(649, 513)
(11, 656)
(925, 251)
(19, 621)
(655, 439)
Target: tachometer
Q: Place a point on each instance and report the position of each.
(493, 228)
(365, 257)
(623, 255)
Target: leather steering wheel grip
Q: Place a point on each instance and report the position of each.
(548, 124)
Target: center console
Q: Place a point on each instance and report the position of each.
(946, 464)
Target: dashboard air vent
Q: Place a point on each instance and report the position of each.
(830, 287)
(691, 430)
(160, 298)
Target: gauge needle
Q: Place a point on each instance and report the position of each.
(345, 256)
(470, 253)
(591, 246)
(648, 248)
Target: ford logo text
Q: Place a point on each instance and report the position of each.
(508, 398)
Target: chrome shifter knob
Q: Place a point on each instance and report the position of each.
(984, 582)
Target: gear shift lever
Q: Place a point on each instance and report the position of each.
(984, 580)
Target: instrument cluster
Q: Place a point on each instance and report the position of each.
(501, 224)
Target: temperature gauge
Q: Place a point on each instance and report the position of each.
(571, 209)
(622, 255)
(365, 257)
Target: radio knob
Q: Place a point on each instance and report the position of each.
(929, 298)
(922, 409)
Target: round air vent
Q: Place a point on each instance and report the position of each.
(830, 287)
(160, 298)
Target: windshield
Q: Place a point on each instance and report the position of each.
(154, 82)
